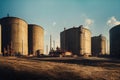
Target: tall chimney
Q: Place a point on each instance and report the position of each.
(54, 44)
(50, 42)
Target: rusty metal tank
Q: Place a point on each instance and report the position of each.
(35, 39)
(14, 36)
(76, 40)
(115, 41)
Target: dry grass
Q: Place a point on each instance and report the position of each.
(12, 68)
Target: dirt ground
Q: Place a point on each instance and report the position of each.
(55, 68)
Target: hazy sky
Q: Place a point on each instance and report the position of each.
(53, 15)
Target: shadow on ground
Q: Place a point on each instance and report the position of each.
(8, 73)
(107, 62)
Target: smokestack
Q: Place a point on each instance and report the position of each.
(54, 44)
(50, 42)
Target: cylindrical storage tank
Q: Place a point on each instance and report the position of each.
(35, 39)
(86, 38)
(14, 36)
(76, 40)
(115, 41)
(98, 46)
(103, 45)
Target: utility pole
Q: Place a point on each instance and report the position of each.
(22, 46)
(46, 49)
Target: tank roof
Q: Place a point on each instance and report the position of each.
(13, 17)
(81, 26)
(87, 30)
(100, 36)
(35, 25)
(116, 26)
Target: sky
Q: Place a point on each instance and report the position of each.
(55, 15)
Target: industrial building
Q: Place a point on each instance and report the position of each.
(15, 33)
(76, 40)
(115, 41)
(35, 39)
(98, 45)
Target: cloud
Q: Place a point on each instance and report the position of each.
(113, 21)
(88, 22)
(54, 23)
